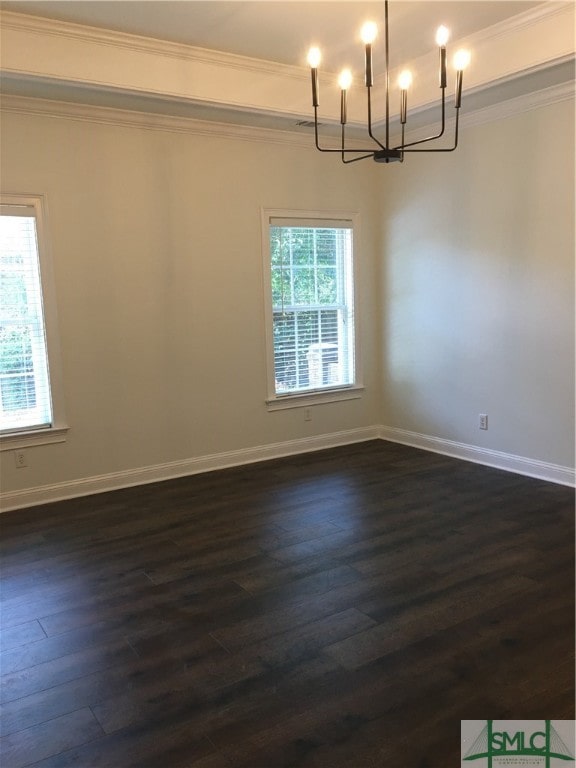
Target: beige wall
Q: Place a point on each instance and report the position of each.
(478, 288)
(156, 240)
(466, 278)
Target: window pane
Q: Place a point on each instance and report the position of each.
(24, 389)
(326, 250)
(285, 352)
(303, 282)
(313, 317)
(281, 287)
(302, 247)
(327, 280)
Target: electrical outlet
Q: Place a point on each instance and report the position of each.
(483, 421)
(307, 414)
(20, 459)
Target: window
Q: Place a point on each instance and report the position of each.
(311, 329)
(29, 403)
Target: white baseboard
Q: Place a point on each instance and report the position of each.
(554, 473)
(113, 481)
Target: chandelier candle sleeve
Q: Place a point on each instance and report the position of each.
(404, 82)
(368, 35)
(314, 60)
(461, 61)
(345, 81)
(442, 35)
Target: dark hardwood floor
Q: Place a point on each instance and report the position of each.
(343, 609)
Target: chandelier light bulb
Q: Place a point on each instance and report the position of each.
(345, 79)
(369, 32)
(461, 60)
(405, 80)
(314, 57)
(442, 35)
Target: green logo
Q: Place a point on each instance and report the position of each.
(544, 744)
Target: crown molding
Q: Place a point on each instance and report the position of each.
(520, 104)
(523, 20)
(24, 105)
(494, 112)
(538, 95)
(40, 25)
(11, 20)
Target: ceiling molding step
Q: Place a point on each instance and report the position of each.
(157, 122)
(516, 106)
(92, 58)
(494, 112)
(528, 42)
(527, 84)
(186, 125)
(33, 47)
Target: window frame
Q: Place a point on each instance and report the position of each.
(337, 393)
(57, 430)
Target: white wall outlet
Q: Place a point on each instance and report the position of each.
(20, 459)
(483, 421)
(307, 414)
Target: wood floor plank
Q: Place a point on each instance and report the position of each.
(49, 648)
(157, 744)
(166, 599)
(15, 685)
(89, 690)
(20, 634)
(342, 609)
(50, 738)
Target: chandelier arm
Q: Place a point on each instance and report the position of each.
(346, 151)
(442, 149)
(355, 159)
(325, 149)
(429, 138)
(370, 121)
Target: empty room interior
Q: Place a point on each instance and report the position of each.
(287, 382)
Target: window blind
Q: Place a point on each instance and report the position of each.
(312, 305)
(25, 401)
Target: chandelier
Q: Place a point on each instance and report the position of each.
(385, 153)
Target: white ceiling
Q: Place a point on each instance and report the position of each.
(282, 31)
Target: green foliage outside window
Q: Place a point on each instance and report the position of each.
(305, 297)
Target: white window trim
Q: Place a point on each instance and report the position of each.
(56, 433)
(355, 390)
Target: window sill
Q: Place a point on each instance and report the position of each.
(11, 442)
(314, 398)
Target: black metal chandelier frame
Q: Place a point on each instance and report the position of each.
(386, 153)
